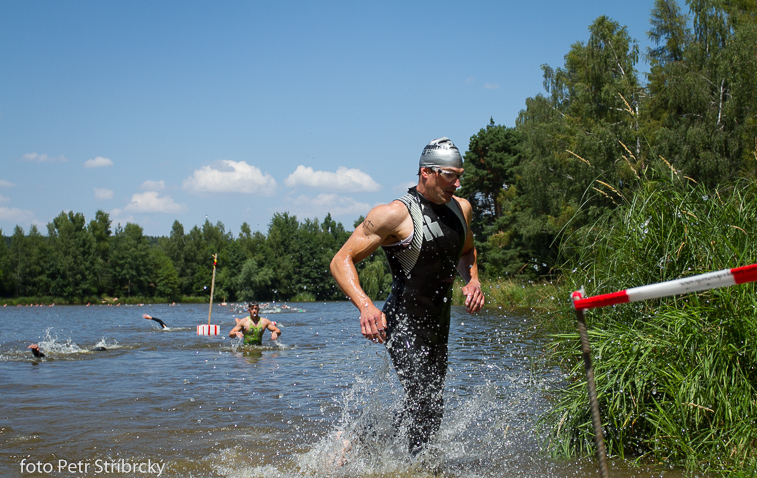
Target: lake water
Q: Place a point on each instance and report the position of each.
(166, 402)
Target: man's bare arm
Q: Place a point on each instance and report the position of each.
(381, 223)
(237, 328)
(468, 265)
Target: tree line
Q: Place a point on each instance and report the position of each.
(82, 262)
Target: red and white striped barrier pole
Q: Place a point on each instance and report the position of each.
(710, 280)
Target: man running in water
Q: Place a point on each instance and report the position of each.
(160, 322)
(252, 327)
(427, 239)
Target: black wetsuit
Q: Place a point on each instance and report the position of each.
(418, 310)
(38, 353)
(162, 324)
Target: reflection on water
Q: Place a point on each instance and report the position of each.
(320, 401)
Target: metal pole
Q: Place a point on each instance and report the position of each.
(212, 286)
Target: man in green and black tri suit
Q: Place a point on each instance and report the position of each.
(427, 239)
(252, 327)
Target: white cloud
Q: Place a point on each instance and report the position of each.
(43, 158)
(6, 184)
(491, 86)
(150, 185)
(102, 194)
(98, 162)
(344, 179)
(319, 206)
(151, 201)
(230, 177)
(16, 215)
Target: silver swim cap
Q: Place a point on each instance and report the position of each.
(441, 152)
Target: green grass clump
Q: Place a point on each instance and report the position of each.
(514, 294)
(676, 377)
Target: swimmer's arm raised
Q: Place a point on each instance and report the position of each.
(149, 317)
(36, 351)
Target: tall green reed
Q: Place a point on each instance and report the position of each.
(676, 377)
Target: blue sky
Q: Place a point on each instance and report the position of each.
(235, 110)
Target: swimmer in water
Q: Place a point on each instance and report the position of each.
(162, 324)
(39, 354)
(36, 351)
(252, 327)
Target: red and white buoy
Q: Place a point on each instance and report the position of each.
(210, 329)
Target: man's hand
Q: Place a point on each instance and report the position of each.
(240, 324)
(373, 324)
(474, 298)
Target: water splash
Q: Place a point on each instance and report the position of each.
(487, 431)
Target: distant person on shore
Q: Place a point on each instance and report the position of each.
(160, 322)
(252, 327)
